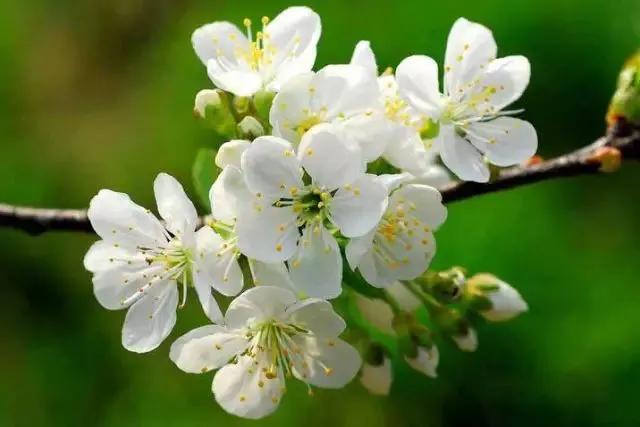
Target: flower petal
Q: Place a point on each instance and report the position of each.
(259, 303)
(420, 202)
(270, 274)
(506, 141)
(461, 157)
(358, 247)
(405, 299)
(363, 55)
(226, 193)
(330, 158)
(370, 131)
(291, 106)
(206, 348)
(174, 206)
(115, 218)
(266, 233)
(417, 78)
(376, 312)
(230, 153)
(150, 320)
(405, 149)
(508, 77)
(330, 362)
(238, 82)
(242, 389)
(316, 268)
(316, 316)
(426, 361)
(220, 41)
(270, 168)
(470, 47)
(357, 207)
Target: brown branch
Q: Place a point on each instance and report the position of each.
(592, 159)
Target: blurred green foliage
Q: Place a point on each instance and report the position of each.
(99, 94)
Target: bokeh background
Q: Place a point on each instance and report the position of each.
(99, 93)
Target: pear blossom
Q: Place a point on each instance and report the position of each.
(402, 245)
(477, 87)
(140, 263)
(290, 218)
(267, 336)
(425, 361)
(344, 95)
(505, 301)
(405, 148)
(244, 64)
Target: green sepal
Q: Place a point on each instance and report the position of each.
(214, 109)
(430, 129)
(262, 101)
(625, 103)
(204, 174)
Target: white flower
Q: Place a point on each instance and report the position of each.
(426, 361)
(244, 64)
(506, 302)
(467, 341)
(377, 378)
(402, 245)
(376, 312)
(139, 263)
(476, 89)
(403, 124)
(345, 95)
(268, 335)
(338, 195)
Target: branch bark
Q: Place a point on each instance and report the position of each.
(588, 160)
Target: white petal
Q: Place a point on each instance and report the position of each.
(119, 273)
(115, 218)
(266, 233)
(358, 247)
(393, 181)
(506, 141)
(291, 106)
(363, 56)
(417, 78)
(421, 202)
(226, 193)
(434, 176)
(461, 157)
(330, 158)
(242, 389)
(405, 299)
(405, 149)
(376, 312)
(508, 77)
(270, 167)
(344, 91)
(426, 361)
(230, 153)
(257, 304)
(293, 34)
(150, 320)
(506, 301)
(206, 348)
(316, 268)
(174, 206)
(220, 41)
(238, 82)
(377, 379)
(218, 262)
(270, 274)
(470, 47)
(468, 341)
(330, 362)
(316, 316)
(370, 131)
(356, 208)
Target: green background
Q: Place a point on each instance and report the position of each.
(97, 94)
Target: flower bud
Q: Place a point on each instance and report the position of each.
(242, 105)
(467, 340)
(230, 153)
(403, 296)
(212, 106)
(376, 312)
(262, 101)
(504, 302)
(425, 361)
(625, 104)
(376, 374)
(250, 128)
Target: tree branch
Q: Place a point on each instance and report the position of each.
(592, 159)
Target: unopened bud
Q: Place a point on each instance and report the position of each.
(376, 312)
(466, 340)
(625, 104)
(212, 106)
(425, 361)
(250, 128)
(494, 299)
(376, 373)
(242, 105)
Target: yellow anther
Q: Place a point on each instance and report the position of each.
(281, 227)
(242, 398)
(295, 263)
(309, 152)
(260, 383)
(328, 371)
(312, 89)
(265, 20)
(246, 22)
(293, 191)
(279, 247)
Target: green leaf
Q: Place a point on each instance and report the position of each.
(205, 173)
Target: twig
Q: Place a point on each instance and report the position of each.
(588, 160)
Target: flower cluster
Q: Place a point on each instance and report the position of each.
(325, 190)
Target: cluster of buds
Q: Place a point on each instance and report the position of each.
(323, 198)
